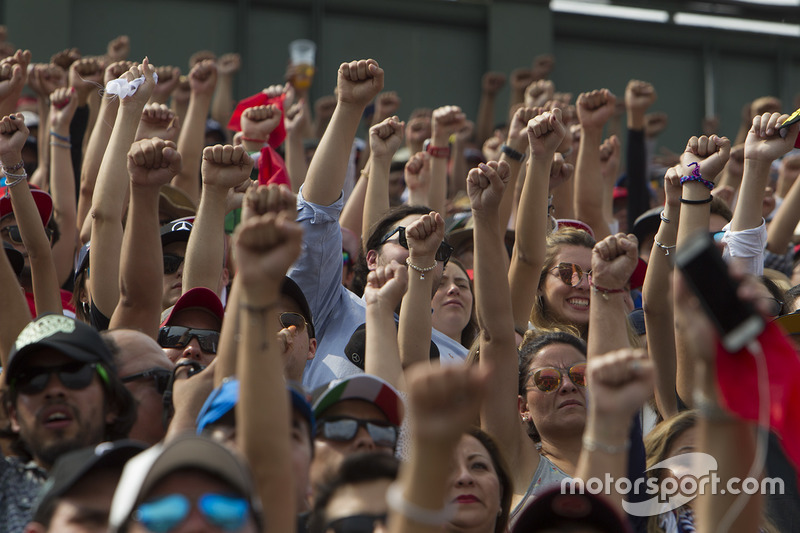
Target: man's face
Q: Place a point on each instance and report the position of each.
(59, 419)
(328, 454)
(140, 353)
(367, 498)
(195, 318)
(85, 507)
(392, 250)
(173, 282)
(297, 346)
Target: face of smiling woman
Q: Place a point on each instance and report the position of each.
(566, 304)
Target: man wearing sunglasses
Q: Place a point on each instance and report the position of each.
(297, 334)
(190, 329)
(174, 237)
(63, 393)
(358, 414)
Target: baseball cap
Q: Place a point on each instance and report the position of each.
(637, 278)
(647, 223)
(177, 230)
(15, 258)
(43, 201)
(68, 336)
(361, 387)
(83, 258)
(71, 467)
(789, 323)
(143, 472)
(552, 510)
(292, 290)
(197, 297)
(225, 397)
(572, 223)
(174, 203)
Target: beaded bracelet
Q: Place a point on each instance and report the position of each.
(421, 270)
(605, 292)
(511, 153)
(695, 176)
(15, 167)
(594, 446)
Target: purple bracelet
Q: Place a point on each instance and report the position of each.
(695, 176)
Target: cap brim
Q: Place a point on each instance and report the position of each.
(363, 387)
(790, 323)
(198, 297)
(44, 204)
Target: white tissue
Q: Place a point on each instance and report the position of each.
(123, 88)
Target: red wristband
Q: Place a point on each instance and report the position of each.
(605, 292)
(439, 151)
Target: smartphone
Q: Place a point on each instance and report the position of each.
(707, 275)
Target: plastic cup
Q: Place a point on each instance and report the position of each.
(302, 54)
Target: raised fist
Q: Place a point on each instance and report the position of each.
(259, 121)
(153, 162)
(226, 166)
(359, 82)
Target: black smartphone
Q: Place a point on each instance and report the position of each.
(707, 275)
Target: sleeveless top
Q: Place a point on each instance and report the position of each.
(546, 476)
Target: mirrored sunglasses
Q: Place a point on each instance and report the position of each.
(570, 273)
(345, 429)
(548, 378)
(443, 253)
(226, 512)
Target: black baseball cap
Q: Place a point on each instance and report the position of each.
(177, 230)
(15, 258)
(292, 290)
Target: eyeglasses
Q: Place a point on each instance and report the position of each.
(172, 263)
(226, 512)
(442, 254)
(15, 236)
(359, 523)
(570, 273)
(75, 376)
(179, 336)
(548, 378)
(344, 429)
(293, 319)
(160, 377)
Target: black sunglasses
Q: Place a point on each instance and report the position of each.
(172, 263)
(343, 429)
(443, 253)
(359, 523)
(160, 377)
(15, 236)
(180, 336)
(75, 376)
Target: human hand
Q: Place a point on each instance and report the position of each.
(269, 199)
(359, 82)
(639, 96)
(118, 49)
(491, 148)
(116, 70)
(424, 236)
(710, 153)
(259, 121)
(63, 103)
(595, 108)
(43, 79)
(613, 261)
(444, 402)
(85, 75)
(416, 172)
(168, 80)
(518, 129)
(610, 155)
(386, 105)
(620, 382)
(654, 124)
(386, 285)
(324, 107)
(294, 117)
(153, 162)
(539, 92)
(673, 188)
(464, 134)
(13, 134)
(492, 82)
(385, 138)
(545, 134)
(266, 246)
(225, 167)
(14, 73)
(764, 142)
(160, 121)
(183, 91)
(200, 56)
(229, 64)
(485, 187)
(521, 78)
(65, 58)
(203, 78)
(543, 65)
(560, 171)
(446, 121)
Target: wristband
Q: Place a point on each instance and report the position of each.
(67, 145)
(697, 202)
(248, 139)
(695, 176)
(421, 270)
(605, 292)
(594, 446)
(664, 217)
(439, 151)
(397, 502)
(15, 167)
(511, 153)
(64, 138)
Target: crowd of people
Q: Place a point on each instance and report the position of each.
(223, 315)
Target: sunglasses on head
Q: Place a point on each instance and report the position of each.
(180, 336)
(226, 512)
(359, 523)
(570, 273)
(160, 377)
(443, 253)
(75, 376)
(172, 263)
(344, 429)
(548, 378)
(15, 236)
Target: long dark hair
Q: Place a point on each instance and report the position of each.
(503, 476)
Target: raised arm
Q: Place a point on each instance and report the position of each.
(513, 153)
(13, 134)
(781, 230)
(44, 79)
(545, 133)
(295, 121)
(491, 84)
(417, 174)
(358, 83)
(639, 96)
(202, 80)
(384, 140)
(222, 105)
(266, 246)
(594, 110)
(224, 167)
(13, 75)
(424, 236)
(446, 121)
(386, 286)
(257, 124)
(168, 79)
(151, 164)
(657, 298)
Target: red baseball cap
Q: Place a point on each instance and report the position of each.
(44, 203)
(198, 297)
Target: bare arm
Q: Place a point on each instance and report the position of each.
(295, 121)
(491, 84)
(385, 288)
(446, 121)
(222, 105)
(384, 139)
(517, 144)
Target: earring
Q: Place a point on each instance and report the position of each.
(525, 418)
